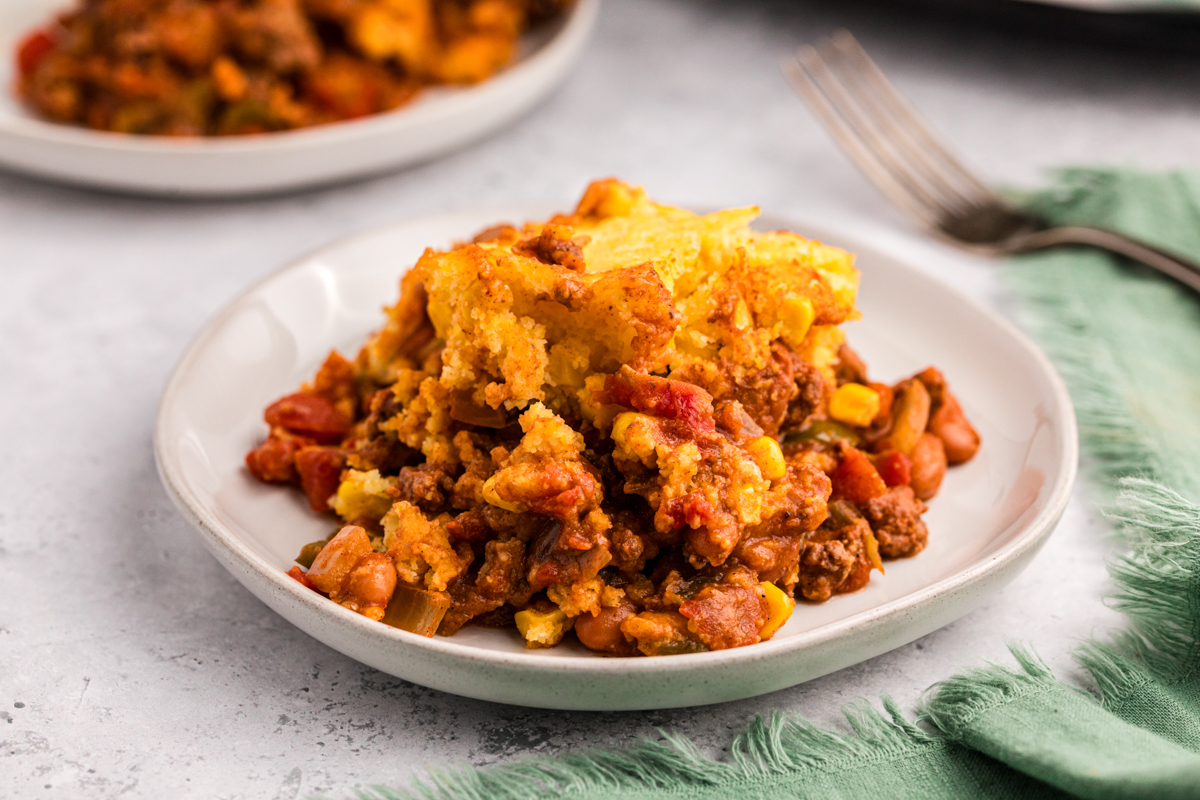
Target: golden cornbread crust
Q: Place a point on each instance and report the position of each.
(632, 421)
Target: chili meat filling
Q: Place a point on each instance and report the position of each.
(629, 424)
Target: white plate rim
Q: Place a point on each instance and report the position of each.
(1029, 540)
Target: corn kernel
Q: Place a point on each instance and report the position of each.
(797, 315)
(767, 455)
(363, 494)
(632, 434)
(541, 629)
(621, 425)
(493, 498)
(854, 404)
(779, 609)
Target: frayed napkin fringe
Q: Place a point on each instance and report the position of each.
(774, 748)
(954, 703)
(1158, 592)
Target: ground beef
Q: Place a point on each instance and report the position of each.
(772, 548)
(896, 520)
(634, 540)
(836, 557)
(212, 67)
(824, 566)
(766, 394)
(808, 396)
(568, 553)
(426, 487)
(498, 581)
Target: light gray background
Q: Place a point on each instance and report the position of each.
(131, 664)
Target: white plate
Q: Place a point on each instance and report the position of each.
(988, 521)
(439, 121)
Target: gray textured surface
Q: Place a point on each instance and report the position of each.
(131, 664)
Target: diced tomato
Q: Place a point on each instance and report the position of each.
(309, 415)
(273, 461)
(32, 50)
(297, 574)
(856, 478)
(320, 471)
(690, 510)
(660, 397)
(894, 467)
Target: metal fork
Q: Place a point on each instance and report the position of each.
(877, 128)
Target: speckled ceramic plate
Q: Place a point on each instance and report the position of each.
(989, 520)
(437, 122)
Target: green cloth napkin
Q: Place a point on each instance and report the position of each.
(1128, 343)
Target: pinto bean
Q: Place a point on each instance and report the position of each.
(935, 384)
(602, 632)
(850, 366)
(951, 426)
(910, 415)
(338, 558)
(309, 415)
(369, 586)
(928, 466)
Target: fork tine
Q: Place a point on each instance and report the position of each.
(922, 143)
(892, 141)
(881, 151)
(850, 140)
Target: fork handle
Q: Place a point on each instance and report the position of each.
(1181, 269)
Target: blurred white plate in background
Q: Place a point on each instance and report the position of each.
(437, 122)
